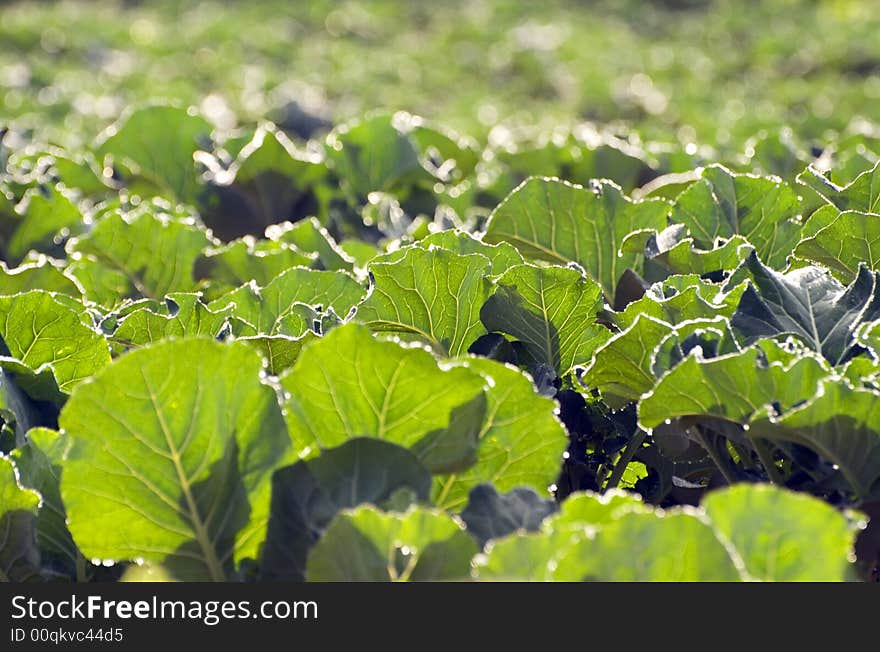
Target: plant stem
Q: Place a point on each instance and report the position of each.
(626, 456)
(719, 461)
(445, 491)
(765, 454)
(81, 576)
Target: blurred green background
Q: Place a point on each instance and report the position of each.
(680, 71)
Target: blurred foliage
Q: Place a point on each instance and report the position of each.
(680, 71)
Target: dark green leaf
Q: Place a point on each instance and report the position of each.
(307, 495)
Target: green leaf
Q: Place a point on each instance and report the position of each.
(551, 310)
(557, 222)
(307, 495)
(852, 238)
(273, 309)
(172, 450)
(47, 213)
(650, 547)
(503, 255)
(247, 260)
(101, 285)
(373, 155)
(868, 336)
(722, 204)
(863, 194)
(49, 346)
(180, 315)
(621, 368)
(782, 536)
(273, 177)
(279, 351)
(490, 515)
(349, 384)
(430, 295)
(157, 143)
(841, 423)
(533, 556)
(807, 303)
(308, 235)
(155, 253)
(679, 254)
(680, 298)
(39, 273)
(19, 555)
(521, 441)
(367, 545)
(732, 387)
(361, 252)
(40, 463)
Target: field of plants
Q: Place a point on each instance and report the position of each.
(380, 291)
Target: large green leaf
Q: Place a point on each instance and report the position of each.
(349, 384)
(732, 387)
(155, 253)
(431, 295)
(842, 424)
(19, 555)
(557, 222)
(521, 441)
(172, 449)
(863, 194)
(307, 495)
(157, 143)
(277, 307)
(781, 536)
(367, 545)
(722, 204)
(808, 303)
(650, 547)
(852, 238)
(48, 345)
(551, 310)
